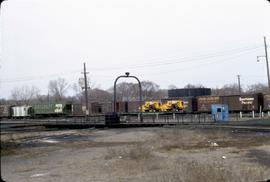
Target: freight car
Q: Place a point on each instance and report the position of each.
(236, 103)
(20, 111)
(133, 106)
(5, 111)
(266, 102)
(77, 110)
(244, 103)
(204, 103)
(106, 107)
(121, 106)
(51, 110)
(200, 104)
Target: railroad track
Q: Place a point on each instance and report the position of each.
(254, 125)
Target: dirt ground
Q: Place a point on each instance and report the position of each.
(136, 154)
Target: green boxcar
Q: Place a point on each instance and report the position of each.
(52, 109)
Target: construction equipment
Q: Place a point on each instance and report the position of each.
(172, 105)
(156, 106)
(151, 106)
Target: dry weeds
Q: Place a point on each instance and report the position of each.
(140, 162)
(169, 156)
(175, 138)
(194, 171)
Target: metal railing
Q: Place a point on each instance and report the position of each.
(183, 118)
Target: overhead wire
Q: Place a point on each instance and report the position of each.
(231, 58)
(178, 60)
(30, 78)
(206, 63)
(142, 66)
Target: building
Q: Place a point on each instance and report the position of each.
(188, 92)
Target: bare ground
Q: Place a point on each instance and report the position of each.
(136, 154)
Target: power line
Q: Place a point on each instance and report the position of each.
(258, 76)
(203, 64)
(140, 66)
(179, 60)
(30, 78)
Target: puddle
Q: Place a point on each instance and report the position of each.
(49, 141)
(69, 137)
(39, 175)
(45, 141)
(12, 147)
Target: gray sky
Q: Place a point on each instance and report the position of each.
(168, 42)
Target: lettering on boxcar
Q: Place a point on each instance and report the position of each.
(247, 101)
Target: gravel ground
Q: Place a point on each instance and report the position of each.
(136, 154)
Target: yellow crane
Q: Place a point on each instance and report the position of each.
(151, 106)
(156, 106)
(172, 105)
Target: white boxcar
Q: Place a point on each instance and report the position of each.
(20, 111)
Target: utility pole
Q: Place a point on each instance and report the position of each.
(239, 84)
(85, 91)
(267, 66)
(48, 96)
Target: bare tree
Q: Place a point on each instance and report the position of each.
(199, 85)
(24, 94)
(130, 91)
(172, 87)
(2, 101)
(149, 90)
(161, 94)
(99, 95)
(257, 88)
(58, 88)
(228, 89)
(124, 91)
(78, 92)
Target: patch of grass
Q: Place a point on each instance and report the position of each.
(194, 171)
(9, 148)
(259, 156)
(177, 138)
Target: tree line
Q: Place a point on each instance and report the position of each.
(58, 92)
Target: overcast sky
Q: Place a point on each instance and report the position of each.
(165, 41)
